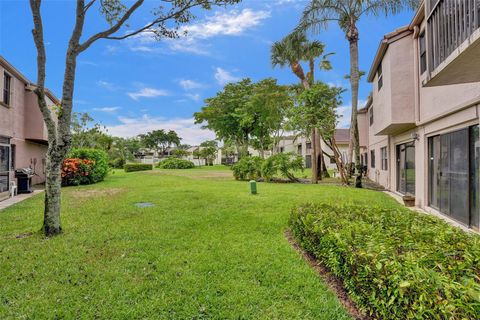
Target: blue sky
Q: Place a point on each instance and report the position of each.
(138, 85)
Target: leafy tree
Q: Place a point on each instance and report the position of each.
(316, 108)
(180, 153)
(223, 115)
(265, 111)
(124, 149)
(85, 135)
(167, 19)
(208, 151)
(160, 141)
(319, 13)
(290, 51)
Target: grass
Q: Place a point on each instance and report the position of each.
(207, 250)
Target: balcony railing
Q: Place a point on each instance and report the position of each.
(449, 23)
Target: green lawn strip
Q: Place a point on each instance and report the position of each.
(207, 249)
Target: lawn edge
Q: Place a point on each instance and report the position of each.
(334, 283)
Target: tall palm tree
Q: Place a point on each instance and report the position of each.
(290, 51)
(316, 17)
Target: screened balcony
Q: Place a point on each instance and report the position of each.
(453, 41)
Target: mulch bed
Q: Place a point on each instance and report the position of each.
(333, 282)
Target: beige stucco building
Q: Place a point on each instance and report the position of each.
(23, 134)
(421, 121)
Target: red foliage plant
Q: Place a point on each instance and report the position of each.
(75, 170)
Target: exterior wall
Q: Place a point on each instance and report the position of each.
(23, 123)
(435, 111)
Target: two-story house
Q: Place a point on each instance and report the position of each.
(23, 134)
(422, 119)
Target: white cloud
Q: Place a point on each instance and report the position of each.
(107, 109)
(194, 96)
(187, 84)
(223, 77)
(106, 85)
(231, 23)
(190, 133)
(147, 93)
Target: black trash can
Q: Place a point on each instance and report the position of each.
(24, 180)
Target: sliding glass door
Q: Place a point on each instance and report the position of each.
(4, 167)
(453, 174)
(406, 168)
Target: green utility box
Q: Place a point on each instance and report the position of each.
(253, 187)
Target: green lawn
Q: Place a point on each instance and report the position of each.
(207, 250)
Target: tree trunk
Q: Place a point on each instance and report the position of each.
(53, 184)
(318, 155)
(354, 81)
(313, 140)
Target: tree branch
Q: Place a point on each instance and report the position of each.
(112, 29)
(88, 5)
(41, 61)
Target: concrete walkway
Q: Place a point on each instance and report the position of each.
(19, 198)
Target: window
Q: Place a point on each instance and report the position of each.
(281, 149)
(309, 145)
(380, 77)
(332, 160)
(384, 154)
(370, 114)
(372, 158)
(7, 82)
(299, 149)
(423, 53)
(366, 159)
(4, 165)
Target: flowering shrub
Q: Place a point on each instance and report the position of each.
(76, 171)
(84, 166)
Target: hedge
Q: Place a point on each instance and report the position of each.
(394, 263)
(175, 163)
(131, 167)
(84, 166)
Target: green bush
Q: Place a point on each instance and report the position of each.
(248, 168)
(132, 167)
(99, 168)
(285, 163)
(395, 263)
(117, 163)
(176, 163)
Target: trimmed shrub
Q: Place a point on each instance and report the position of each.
(117, 163)
(285, 163)
(248, 168)
(132, 167)
(84, 166)
(395, 263)
(175, 163)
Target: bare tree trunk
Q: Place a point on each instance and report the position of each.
(313, 140)
(332, 144)
(354, 81)
(318, 154)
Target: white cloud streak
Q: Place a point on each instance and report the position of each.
(231, 23)
(223, 77)
(147, 93)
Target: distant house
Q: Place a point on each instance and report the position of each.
(23, 134)
(303, 147)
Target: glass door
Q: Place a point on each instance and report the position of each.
(4, 167)
(449, 171)
(406, 168)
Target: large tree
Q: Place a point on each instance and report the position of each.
(316, 17)
(165, 21)
(88, 135)
(223, 114)
(316, 107)
(291, 51)
(160, 140)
